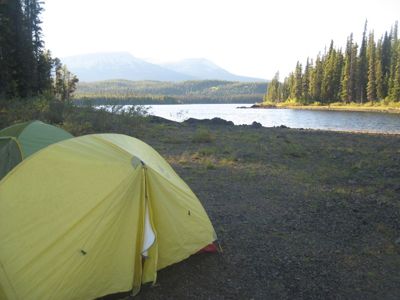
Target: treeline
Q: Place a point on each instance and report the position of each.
(152, 100)
(27, 69)
(156, 92)
(362, 73)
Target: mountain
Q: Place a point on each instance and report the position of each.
(123, 65)
(202, 68)
(118, 65)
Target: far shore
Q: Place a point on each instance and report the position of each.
(381, 109)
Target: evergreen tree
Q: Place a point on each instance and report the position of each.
(371, 86)
(286, 88)
(274, 90)
(13, 37)
(353, 74)
(393, 62)
(291, 85)
(316, 80)
(327, 88)
(297, 91)
(337, 75)
(386, 55)
(363, 67)
(306, 81)
(378, 72)
(346, 81)
(25, 66)
(395, 90)
(64, 83)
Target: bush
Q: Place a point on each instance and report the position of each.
(203, 136)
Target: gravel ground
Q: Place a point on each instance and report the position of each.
(299, 214)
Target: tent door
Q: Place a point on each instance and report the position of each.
(149, 236)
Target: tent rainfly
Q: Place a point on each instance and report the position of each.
(19, 141)
(92, 216)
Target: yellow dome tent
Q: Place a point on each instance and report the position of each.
(94, 215)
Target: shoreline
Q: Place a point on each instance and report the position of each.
(391, 110)
(222, 122)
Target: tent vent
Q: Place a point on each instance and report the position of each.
(136, 162)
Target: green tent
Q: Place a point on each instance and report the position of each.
(94, 215)
(19, 141)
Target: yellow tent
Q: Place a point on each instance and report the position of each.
(94, 215)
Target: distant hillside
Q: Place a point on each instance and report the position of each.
(201, 68)
(123, 65)
(153, 92)
(119, 65)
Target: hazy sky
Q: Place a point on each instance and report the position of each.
(246, 37)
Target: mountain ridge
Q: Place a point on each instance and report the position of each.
(102, 66)
(205, 69)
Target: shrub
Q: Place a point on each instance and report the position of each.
(203, 135)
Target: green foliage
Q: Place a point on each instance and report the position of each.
(85, 120)
(26, 67)
(297, 91)
(274, 90)
(64, 82)
(352, 76)
(23, 60)
(371, 86)
(203, 135)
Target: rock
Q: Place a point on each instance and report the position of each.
(159, 120)
(214, 121)
(256, 125)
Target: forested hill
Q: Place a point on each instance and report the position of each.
(157, 92)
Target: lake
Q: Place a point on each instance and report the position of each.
(326, 120)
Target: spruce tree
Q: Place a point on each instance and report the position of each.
(363, 67)
(353, 74)
(285, 89)
(386, 56)
(337, 75)
(345, 95)
(378, 71)
(371, 86)
(316, 80)
(297, 91)
(395, 90)
(274, 89)
(306, 81)
(25, 67)
(393, 62)
(327, 88)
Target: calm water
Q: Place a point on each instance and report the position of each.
(328, 120)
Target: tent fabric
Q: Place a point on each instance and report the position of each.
(26, 139)
(10, 155)
(35, 135)
(77, 227)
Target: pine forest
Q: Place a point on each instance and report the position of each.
(360, 73)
